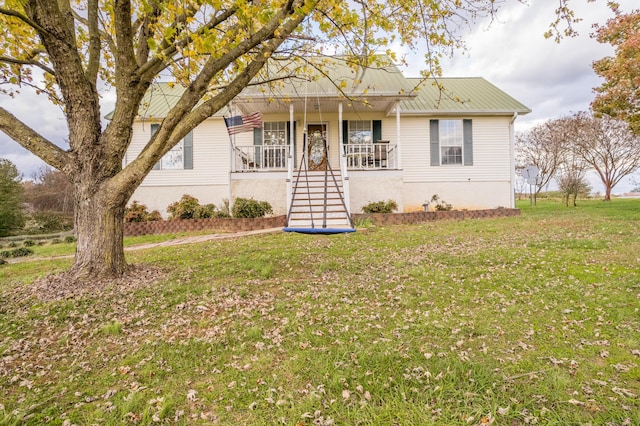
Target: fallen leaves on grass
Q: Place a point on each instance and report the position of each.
(63, 285)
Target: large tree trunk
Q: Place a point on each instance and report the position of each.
(99, 230)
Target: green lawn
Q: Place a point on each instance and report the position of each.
(532, 319)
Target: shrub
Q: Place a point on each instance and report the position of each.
(363, 222)
(5, 254)
(187, 208)
(137, 212)
(224, 211)
(440, 205)
(13, 244)
(56, 241)
(21, 251)
(48, 221)
(29, 243)
(381, 207)
(206, 211)
(250, 208)
(69, 239)
(2, 261)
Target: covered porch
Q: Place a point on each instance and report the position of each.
(351, 129)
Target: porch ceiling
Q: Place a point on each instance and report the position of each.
(315, 104)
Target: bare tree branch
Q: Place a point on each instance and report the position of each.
(94, 42)
(28, 62)
(31, 140)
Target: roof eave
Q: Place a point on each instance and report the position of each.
(459, 112)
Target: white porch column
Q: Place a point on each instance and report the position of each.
(398, 144)
(343, 162)
(232, 159)
(291, 160)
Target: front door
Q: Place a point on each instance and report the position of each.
(317, 146)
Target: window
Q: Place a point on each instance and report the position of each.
(451, 142)
(275, 133)
(174, 159)
(360, 132)
(180, 157)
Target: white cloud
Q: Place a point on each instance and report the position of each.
(553, 79)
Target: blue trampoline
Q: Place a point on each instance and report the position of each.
(320, 230)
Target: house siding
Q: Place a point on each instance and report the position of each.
(485, 184)
(491, 152)
(208, 181)
(211, 156)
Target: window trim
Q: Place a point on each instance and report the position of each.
(186, 146)
(467, 143)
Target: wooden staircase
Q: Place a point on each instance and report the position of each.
(318, 203)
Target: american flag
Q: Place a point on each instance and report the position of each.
(243, 123)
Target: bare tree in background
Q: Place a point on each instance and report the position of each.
(51, 190)
(542, 146)
(606, 145)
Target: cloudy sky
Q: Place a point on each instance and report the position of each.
(552, 79)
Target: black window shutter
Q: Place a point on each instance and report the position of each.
(467, 139)
(294, 138)
(377, 130)
(257, 141)
(434, 136)
(188, 151)
(345, 131)
(154, 129)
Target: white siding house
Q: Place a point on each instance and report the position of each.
(381, 137)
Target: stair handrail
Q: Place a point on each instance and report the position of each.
(306, 175)
(329, 170)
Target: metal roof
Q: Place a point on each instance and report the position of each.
(359, 89)
(464, 95)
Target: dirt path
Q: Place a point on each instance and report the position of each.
(174, 242)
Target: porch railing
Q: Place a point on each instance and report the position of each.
(371, 156)
(365, 156)
(262, 158)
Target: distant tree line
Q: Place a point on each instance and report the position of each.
(41, 205)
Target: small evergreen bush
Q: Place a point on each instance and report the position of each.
(381, 207)
(250, 208)
(69, 239)
(29, 243)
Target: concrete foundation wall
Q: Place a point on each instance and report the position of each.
(370, 187)
(159, 197)
(461, 195)
(271, 187)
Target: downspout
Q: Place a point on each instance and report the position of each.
(398, 154)
(512, 159)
